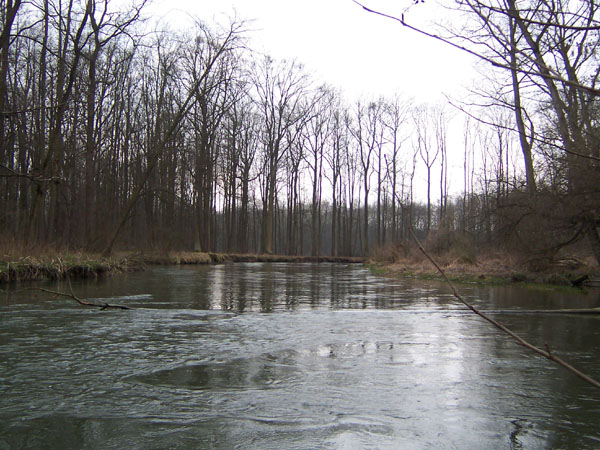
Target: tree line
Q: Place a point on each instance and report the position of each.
(113, 136)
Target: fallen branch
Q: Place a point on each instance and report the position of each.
(545, 353)
(82, 302)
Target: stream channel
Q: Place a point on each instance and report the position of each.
(293, 356)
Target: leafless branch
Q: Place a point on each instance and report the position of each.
(37, 178)
(27, 110)
(547, 23)
(535, 139)
(82, 302)
(548, 75)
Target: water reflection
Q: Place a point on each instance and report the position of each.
(292, 356)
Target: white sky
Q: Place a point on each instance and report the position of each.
(341, 44)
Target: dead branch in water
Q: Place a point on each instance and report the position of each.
(545, 353)
(82, 302)
(102, 306)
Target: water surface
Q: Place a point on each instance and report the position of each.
(292, 356)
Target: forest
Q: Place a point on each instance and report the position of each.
(115, 134)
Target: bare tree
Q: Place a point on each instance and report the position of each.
(428, 151)
(216, 47)
(367, 133)
(10, 8)
(107, 26)
(215, 95)
(336, 159)
(280, 89)
(317, 133)
(396, 119)
(440, 124)
(72, 38)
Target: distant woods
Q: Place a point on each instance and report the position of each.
(113, 136)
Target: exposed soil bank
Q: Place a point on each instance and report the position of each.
(57, 267)
(497, 270)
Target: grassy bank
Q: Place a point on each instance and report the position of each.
(57, 265)
(222, 257)
(60, 266)
(492, 269)
(180, 258)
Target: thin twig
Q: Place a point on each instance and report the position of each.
(539, 140)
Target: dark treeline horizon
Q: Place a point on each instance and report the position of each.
(114, 137)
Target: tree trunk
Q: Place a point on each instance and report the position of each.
(525, 144)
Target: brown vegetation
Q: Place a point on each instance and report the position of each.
(61, 266)
(56, 264)
(461, 263)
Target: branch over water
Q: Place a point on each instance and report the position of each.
(82, 302)
(545, 353)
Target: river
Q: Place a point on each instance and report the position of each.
(292, 356)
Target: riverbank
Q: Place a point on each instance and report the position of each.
(61, 266)
(58, 265)
(183, 258)
(220, 258)
(499, 269)
(495, 269)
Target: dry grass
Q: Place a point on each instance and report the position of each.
(490, 267)
(167, 258)
(45, 262)
(20, 263)
(457, 258)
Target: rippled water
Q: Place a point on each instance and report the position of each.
(292, 356)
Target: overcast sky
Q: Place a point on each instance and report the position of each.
(363, 54)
